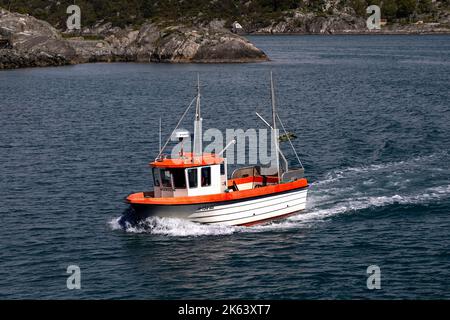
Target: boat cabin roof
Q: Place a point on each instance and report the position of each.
(187, 161)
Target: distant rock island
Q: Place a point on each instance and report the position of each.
(252, 16)
(29, 42)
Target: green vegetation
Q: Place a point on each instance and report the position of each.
(256, 13)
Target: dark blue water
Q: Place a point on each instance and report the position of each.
(372, 115)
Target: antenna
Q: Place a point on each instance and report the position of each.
(176, 127)
(160, 129)
(227, 146)
(267, 124)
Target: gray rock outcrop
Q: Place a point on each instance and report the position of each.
(344, 21)
(34, 42)
(31, 42)
(180, 44)
(309, 23)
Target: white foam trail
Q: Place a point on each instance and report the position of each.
(390, 167)
(174, 227)
(429, 195)
(184, 228)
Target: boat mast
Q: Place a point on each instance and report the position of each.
(160, 132)
(274, 126)
(197, 149)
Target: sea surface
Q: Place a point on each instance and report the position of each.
(372, 116)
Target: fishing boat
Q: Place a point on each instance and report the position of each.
(195, 185)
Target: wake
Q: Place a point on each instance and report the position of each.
(420, 180)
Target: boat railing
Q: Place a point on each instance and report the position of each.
(246, 172)
(293, 175)
(162, 157)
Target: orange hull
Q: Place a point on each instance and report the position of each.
(145, 198)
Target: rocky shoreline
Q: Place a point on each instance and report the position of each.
(35, 43)
(389, 30)
(29, 42)
(346, 23)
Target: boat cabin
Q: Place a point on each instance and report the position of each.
(206, 175)
(189, 176)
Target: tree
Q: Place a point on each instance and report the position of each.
(389, 9)
(147, 8)
(425, 6)
(405, 8)
(316, 5)
(359, 6)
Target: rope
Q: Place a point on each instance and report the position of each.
(181, 119)
(289, 139)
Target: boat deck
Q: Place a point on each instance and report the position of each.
(248, 187)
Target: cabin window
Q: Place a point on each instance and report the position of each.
(206, 176)
(179, 180)
(222, 169)
(156, 177)
(192, 178)
(166, 180)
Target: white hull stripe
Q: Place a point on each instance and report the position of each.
(239, 215)
(240, 202)
(259, 217)
(222, 207)
(295, 202)
(249, 207)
